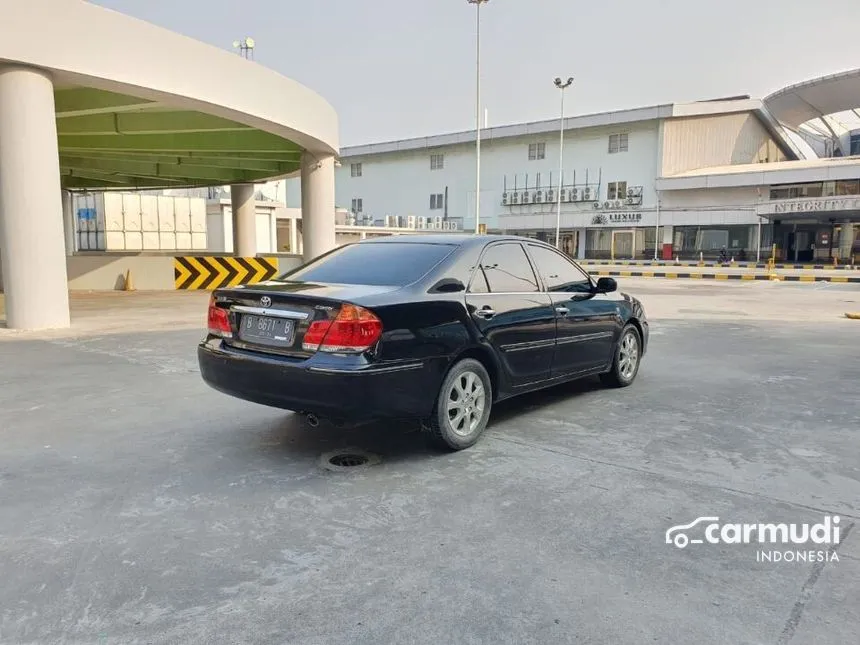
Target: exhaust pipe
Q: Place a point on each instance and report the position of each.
(312, 420)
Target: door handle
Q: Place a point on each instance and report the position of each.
(562, 311)
(486, 312)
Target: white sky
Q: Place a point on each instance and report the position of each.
(394, 69)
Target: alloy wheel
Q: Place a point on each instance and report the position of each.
(628, 357)
(465, 403)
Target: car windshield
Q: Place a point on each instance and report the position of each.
(382, 264)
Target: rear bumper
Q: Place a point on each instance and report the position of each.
(320, 385)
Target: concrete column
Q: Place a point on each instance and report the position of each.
(31, 210)
(580, 250)
(244, 220)
(69, 223)
(846, 241)
(317, 205)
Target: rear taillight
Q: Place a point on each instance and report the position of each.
(219, 320)
(355, 329)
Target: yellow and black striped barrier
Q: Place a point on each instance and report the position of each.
(213, 272)
(727, 276)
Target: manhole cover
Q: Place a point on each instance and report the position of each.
(348, 459)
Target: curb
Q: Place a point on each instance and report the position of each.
(727, 276)
(716, 265)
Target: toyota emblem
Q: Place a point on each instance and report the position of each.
(265, 301)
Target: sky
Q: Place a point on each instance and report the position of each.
(395, 69)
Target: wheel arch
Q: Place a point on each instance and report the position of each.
(485, 356)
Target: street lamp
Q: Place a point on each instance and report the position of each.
(562, 86)
(245, 46)
(477, 4)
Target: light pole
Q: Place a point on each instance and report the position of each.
(562, 86)
(246, 47)
(477, 4)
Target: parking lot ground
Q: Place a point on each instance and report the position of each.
(138, 506)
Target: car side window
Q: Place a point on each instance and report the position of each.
(507, 269)
(558, 273)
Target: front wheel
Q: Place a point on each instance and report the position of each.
(625, 364)
(463, 406)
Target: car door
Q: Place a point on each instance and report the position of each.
(587, 321)
(506, 302)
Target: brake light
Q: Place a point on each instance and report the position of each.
(355, 329)
(218, 320)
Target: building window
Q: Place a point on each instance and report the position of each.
(437, 162)
(355, 169)
(616, 190)
(357, 205)
(617, 143)
(437, 202)
(537, 151)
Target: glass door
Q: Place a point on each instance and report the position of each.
(623, 245)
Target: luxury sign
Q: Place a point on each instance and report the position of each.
(605, 219)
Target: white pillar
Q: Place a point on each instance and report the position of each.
(317, 205)
(580, 250)
(31, 210)
(244, 220)
(846, 241)
(668, 238)
(69, 222)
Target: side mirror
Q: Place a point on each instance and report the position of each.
(448, 285)
(606, 285)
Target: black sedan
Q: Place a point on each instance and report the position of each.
(435, 328)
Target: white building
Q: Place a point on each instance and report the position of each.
(669, 180)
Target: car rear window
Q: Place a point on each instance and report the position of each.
(377, 264)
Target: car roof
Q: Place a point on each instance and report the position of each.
(456, 239)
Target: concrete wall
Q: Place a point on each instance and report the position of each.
(106, 272)
(400, 183)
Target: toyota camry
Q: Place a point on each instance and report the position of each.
(435, 328)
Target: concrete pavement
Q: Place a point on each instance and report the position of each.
(138, 506)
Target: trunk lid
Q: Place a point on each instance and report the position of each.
(273, 317)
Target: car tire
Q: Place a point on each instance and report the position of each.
(629, 348)
(462, 406)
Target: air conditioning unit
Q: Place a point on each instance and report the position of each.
(586, 195)
(574, 195)
(596, 205)
(505, 199)
(538, 197)
(617, 203)
(565, 195)
(515, 198)
(526, 197)
(410, 221)
(391, 221)
(635, 191)
(422, 222)
(437, 221)
(549, 197)
(607, 204)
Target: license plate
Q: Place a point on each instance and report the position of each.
(267, 330)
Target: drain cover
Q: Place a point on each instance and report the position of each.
(348, 459)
